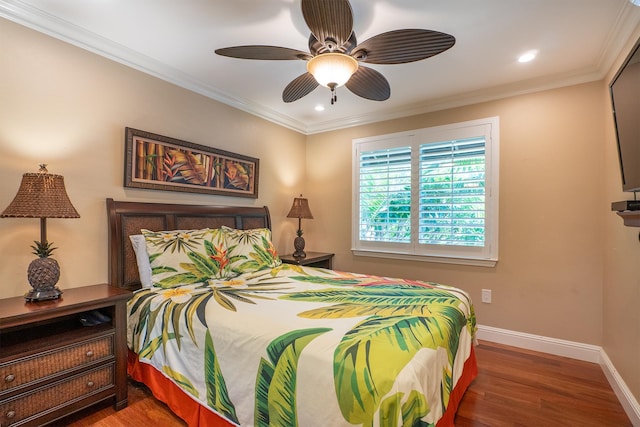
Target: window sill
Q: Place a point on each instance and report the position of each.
(427, 258)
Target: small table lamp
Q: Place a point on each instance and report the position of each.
(300, 209)
(42, 195)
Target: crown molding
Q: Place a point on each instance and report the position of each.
(25, 14)
(30, 17)
(468, 98)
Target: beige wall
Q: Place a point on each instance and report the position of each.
(66, 107)
(548, 280)
(621, 253)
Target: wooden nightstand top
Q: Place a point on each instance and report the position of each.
(316, 259)
(17, 311)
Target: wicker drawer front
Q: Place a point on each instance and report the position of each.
(28, 369)
(55, 395)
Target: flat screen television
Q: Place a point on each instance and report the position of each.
(625, 100)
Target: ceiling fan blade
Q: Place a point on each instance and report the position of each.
(329, 19)
(300, 86)
(402, 46)
(370, 84)
(263, 52)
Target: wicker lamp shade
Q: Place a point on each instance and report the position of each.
(41, 195)
(300, 210)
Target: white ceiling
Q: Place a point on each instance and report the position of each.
(577, 40)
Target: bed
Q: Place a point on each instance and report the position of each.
(231, 336)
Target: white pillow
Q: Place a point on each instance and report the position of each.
(142, 258)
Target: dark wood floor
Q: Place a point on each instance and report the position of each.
(515, 387)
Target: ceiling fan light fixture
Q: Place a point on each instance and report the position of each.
(332, 69)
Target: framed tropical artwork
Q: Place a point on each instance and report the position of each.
(162, 163)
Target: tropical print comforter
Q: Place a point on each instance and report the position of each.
(303, 346)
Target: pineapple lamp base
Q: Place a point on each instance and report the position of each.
(298, 245)
(43, 294)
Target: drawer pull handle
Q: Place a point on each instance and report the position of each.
(11, 414)
(90, 384)
(89, 353)
(9, 378)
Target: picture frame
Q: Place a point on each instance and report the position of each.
(158, 162)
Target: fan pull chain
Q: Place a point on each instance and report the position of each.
(334, 96)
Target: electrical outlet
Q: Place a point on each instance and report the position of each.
(486, 296)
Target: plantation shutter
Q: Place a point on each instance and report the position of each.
(452, 193)
(385, 195)
(428, 194)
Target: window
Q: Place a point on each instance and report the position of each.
(430, 194)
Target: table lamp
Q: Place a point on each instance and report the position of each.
(42, 195)
(300, 210)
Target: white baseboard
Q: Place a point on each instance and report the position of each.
(626, 398)
(573, 350)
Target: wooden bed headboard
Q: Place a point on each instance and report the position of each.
(127, 218)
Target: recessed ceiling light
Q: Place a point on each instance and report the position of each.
(528, 56)
(319, 108)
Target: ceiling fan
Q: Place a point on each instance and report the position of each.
(334, 55)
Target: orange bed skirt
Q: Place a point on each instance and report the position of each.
(177, 400)
(195, 414)
(469, 372)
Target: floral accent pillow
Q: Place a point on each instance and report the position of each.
(179, 257)
(250, 250)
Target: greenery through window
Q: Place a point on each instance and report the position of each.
(428, 193)
(385, 195)
(452, 193)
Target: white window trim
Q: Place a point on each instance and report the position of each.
(463, 256)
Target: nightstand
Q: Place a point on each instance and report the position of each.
(313, 259)
(51, 365)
